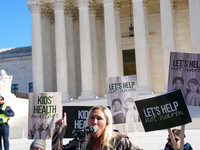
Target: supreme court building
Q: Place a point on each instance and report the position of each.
(76, 44)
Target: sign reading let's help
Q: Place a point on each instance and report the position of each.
(164, 111)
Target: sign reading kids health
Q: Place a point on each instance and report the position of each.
(44, 110)
(76, 118)
(164, 111)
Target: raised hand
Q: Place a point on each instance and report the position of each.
(63, 120)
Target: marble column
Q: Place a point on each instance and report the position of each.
(110, 39)
(53, 47)
(117, 6)
(174, 5)
(37, 57)
(194, 13)
(47, 50)
(61, 49)
(101, 51)
(167, 30)
(70, 51)
(77, 52)
(85, 50)
(141, 47)
(23, 82)
(145, 4)
(95, 56)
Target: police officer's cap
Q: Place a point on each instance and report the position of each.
(1, 98)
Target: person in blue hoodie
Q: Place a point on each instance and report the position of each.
(169, 145)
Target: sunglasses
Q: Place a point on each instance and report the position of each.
(169, 139)
(1, 100)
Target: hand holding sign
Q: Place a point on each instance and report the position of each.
(44, 111)
(164, 111)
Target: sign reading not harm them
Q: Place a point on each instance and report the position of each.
(164, 111)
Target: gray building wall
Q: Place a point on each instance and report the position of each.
(18, 63)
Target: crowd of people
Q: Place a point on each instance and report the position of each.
(104, 138)
(100, 117)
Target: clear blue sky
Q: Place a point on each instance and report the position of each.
(15, 24)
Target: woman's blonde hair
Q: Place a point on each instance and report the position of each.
(108, 133)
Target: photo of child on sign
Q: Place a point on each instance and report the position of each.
(122, 93)
(131, 113)
(184, 73)
(41, 131)
(118, 115)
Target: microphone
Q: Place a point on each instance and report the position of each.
(91, 129)
(78, 133)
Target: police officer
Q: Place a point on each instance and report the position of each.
(5, 113)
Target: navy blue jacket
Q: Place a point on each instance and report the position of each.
(8, 112)
(187, 146)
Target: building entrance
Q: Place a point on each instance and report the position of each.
(129, 63)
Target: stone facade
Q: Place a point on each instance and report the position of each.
(84, 44)
(17, 62)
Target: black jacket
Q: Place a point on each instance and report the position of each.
(122, 142)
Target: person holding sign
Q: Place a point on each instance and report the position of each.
(100, 117)
(169, 145)
(59, 132)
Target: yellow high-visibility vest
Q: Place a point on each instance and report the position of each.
(4, 118)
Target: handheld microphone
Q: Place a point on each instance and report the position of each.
(91, 129)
